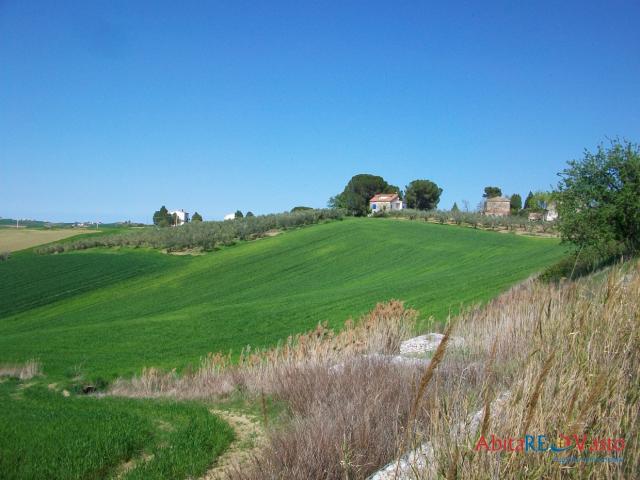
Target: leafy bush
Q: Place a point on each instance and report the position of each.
(4, 256)
(599, 199)
(202, 235)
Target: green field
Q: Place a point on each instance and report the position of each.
(112, 312)
(45, 435)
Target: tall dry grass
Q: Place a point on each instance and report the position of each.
(540, 359)
(570, 356)
(22, 371)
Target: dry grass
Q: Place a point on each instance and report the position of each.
(22, 371)
(569, 355)
(14, 239)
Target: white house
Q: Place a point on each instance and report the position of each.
(230, 216)
(385, 201)
(551, 213)
(181, 216)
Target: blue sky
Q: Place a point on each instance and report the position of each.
(110, 109)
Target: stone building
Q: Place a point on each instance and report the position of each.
(497, 207)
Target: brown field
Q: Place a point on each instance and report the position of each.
(14, 239)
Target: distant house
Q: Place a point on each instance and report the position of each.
(181, 217)
(497, 207)
(551, 213)
(548, 214)
(230, 216)
(385, 201)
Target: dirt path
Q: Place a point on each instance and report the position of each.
(249, 436)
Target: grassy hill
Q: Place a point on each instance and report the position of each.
(111, 312)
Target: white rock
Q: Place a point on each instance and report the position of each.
(427, 343)
(421, 459)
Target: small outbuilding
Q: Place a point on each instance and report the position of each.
(385, 201)
(497, 207)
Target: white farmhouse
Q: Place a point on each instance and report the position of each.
(551, 212)
(385, 201)
(181, 217)
(230, 216)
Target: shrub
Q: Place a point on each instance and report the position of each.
(4, 256)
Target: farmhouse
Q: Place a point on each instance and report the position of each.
(497, 207)
(385, 201)
(548, 214)
(180, 217)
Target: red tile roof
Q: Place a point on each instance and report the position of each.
(384, 197)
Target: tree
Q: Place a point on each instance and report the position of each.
(455, 207)
(196, 217)
(491, 192)
(357, 193)
(395, 189)
(300, 209)
(528, 202)
(598, 199)
(516, 203)
(422, 195)
(238, 214)
(162, 217)
(249, 214)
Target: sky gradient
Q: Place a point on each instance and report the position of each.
(110, 109)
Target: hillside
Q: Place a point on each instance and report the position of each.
(112, 312)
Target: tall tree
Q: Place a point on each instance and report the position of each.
(196, 217)
(395, 189)
(238, 214)
(249, 214)
(528, 201)
(422, 194)
(162, 217)
(357, 193)
(516, 203)
(491, 192)
(599, 199)
(455, 207)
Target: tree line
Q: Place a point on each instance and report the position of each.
(200, 235)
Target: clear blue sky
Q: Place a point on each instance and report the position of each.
(110, 109)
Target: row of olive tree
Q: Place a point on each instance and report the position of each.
(201, 235)
(473, 219)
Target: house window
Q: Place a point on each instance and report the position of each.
(373, 206)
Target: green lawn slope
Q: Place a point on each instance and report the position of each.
(111, 312)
